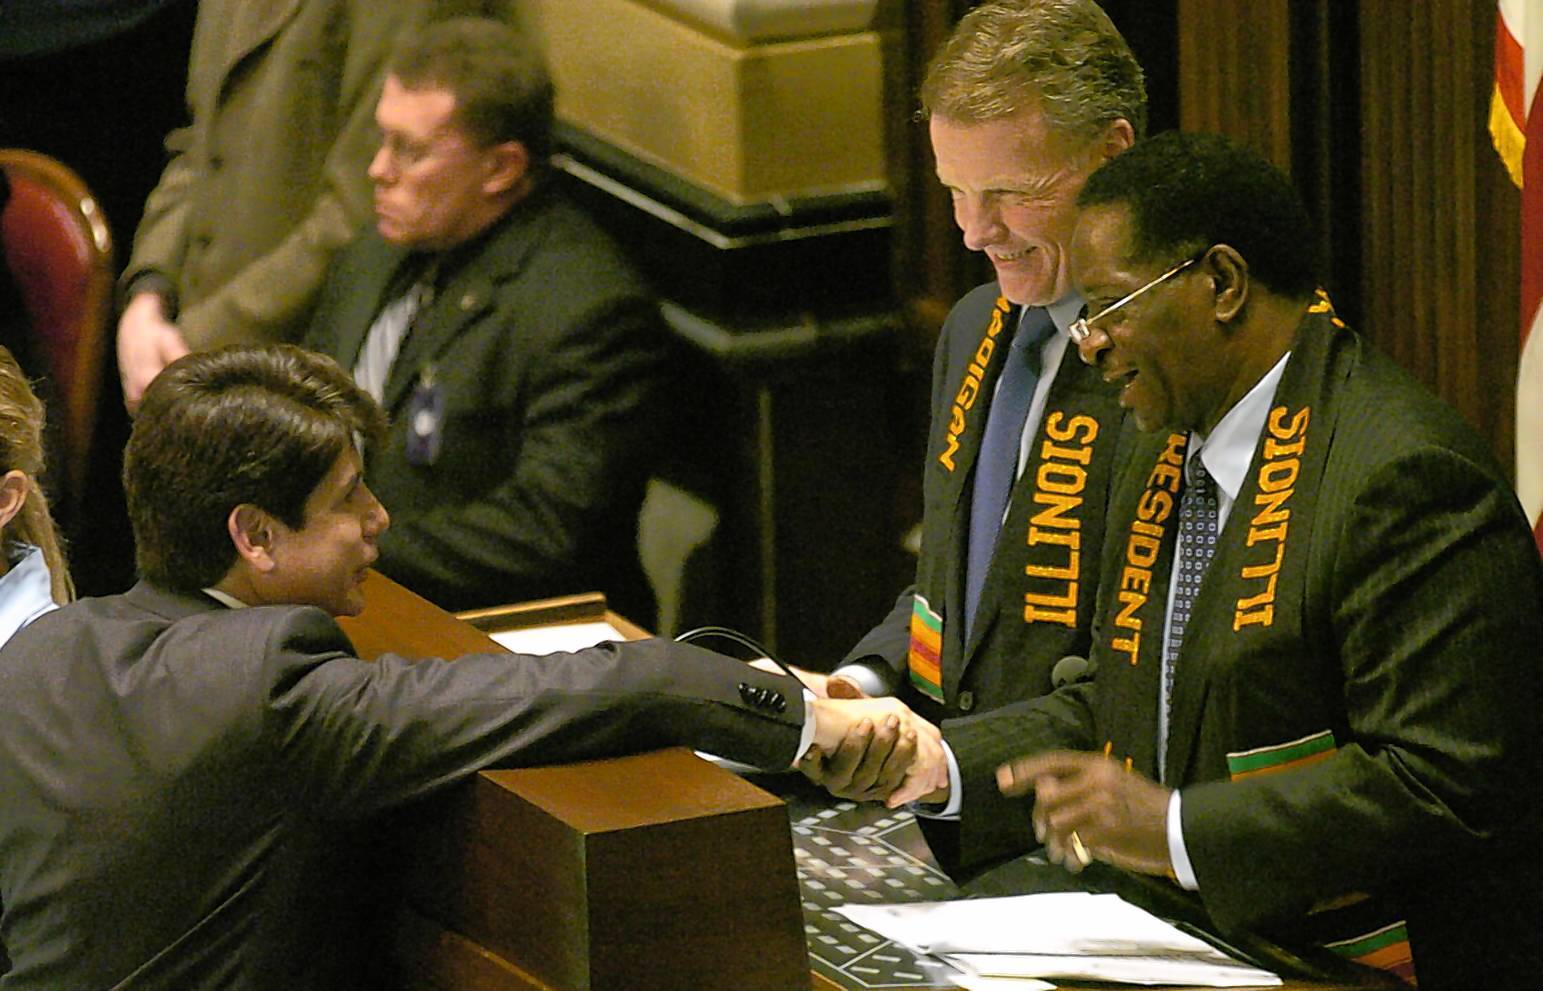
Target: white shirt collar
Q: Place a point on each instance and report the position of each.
(1228, 450)
(224, 597)
(1063, 311)
(26, 591)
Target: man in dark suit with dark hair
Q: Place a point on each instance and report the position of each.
(180, 765)
(1316, 700)
(514, 348)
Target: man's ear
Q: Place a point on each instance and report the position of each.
(13, 495)
(1118, 136)
(254, 534)
(1229, 277)
(509, 167)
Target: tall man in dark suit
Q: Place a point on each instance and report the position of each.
(514, 349)
(1316, 700)
(179, 763)
(1024, 100)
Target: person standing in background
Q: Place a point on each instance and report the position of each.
(266, 181)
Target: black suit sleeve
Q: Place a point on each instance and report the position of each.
(885, 647)
(992, 827)
(357, 737)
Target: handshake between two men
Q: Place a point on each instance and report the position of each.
(1086, 806)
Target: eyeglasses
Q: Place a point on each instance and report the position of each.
(1081, 328)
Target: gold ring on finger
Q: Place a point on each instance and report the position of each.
(1079, 849)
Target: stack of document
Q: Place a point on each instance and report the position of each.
(1008, 943)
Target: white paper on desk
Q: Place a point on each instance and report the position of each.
(1057, 925)
(550, 639)
(974, 982)
(1010, 969)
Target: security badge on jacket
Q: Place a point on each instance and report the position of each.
(425, 419)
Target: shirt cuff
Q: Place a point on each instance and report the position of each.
(868, 680)
(1183, 870)
(949, 810)
(806, 736)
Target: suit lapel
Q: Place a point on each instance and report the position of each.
(364, 301)
(467, 290)
(982, 380)
(1321, 360)
(460, 302)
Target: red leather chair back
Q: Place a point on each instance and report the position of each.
(60, 251)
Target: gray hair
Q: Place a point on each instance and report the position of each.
(1064, 57)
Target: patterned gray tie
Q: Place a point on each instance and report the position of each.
(385, 337)
(1199, 512)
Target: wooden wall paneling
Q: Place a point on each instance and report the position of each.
(932, 268)
(1325, 139)
(1234, 72)
(1440, 235)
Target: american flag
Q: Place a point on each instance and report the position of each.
(1516, 123)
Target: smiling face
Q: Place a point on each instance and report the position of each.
(323, 563)
(1164, 349)
(1014, 184)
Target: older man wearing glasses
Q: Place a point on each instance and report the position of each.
(1024, 100)
(1317, 698)
(515, 350)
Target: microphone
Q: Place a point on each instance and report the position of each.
(1067, 670)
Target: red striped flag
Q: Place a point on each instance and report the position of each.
(1516, 124)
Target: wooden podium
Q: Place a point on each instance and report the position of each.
(657, 871)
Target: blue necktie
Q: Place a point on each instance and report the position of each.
(996, 468)
(1199, 512)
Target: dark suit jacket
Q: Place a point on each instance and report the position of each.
(548, 354)
(1401, 658)
(174, 774)
(1009, 655)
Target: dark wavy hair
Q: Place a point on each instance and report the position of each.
(221, 428)
(1186, 192)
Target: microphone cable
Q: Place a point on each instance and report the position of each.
(741, 639)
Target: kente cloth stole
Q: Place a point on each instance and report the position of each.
(1138, 567)
(961, 447)
(1250, 600)
(1045, 564)
(1042, 584)
(1251, 605)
